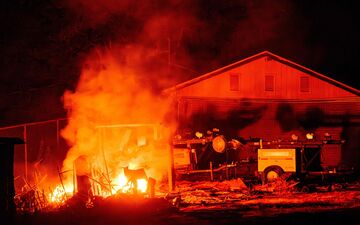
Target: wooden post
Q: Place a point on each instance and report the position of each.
(104, 158)
(171, 180)
(74, 178)
(151, 187)
(61, 181)
(82, 177)
(25, 152)
(57, 136)
(226, 171)
(211, 172)
(7, 189)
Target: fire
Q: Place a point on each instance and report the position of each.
(120, 184)
(123, 185)
(117, 131)
(60, 194)
(113, 123)
(142, 185)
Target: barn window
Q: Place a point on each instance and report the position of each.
(304, 84)
(269, 83)
(234, 82)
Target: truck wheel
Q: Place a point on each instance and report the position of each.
(272, 173)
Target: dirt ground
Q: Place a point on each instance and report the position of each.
(227, 202)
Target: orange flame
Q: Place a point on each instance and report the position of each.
(113, 122)
(123, 185)
(60, 193)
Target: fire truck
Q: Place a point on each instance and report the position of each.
(257, 159)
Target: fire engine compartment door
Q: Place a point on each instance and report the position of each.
(284, 158)
(181, 157)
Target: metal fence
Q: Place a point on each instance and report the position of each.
(38, 160)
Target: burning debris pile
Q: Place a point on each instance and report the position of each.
(131, 184)
(31, 200)
(106, 159)
(191, 196)
(109, 93)
(117, 145)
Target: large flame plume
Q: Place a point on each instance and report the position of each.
(115, 121)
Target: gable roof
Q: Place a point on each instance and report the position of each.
(254, 57)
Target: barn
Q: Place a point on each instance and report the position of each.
(269, 97)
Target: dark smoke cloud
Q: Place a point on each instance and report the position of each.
(45, 42)
(191, 36)
(154, 30)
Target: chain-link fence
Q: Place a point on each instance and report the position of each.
(36, 163)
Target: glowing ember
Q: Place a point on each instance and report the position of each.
(142, 185)
(123, 185)
(59, 195)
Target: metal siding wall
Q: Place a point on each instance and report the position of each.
(330, 156)
(252, 75)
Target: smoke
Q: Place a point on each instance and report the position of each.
(120, 83)
(199, 35)
(110, 92)
(153, 45)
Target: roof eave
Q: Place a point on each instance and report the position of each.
(261, 54)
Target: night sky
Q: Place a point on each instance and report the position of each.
(44, 43)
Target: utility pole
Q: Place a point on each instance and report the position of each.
(169, 52)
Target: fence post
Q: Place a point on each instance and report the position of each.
(57, 136)
(26, 153)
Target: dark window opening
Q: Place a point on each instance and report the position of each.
(269, 83)
(234, 82)
(304, 84)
